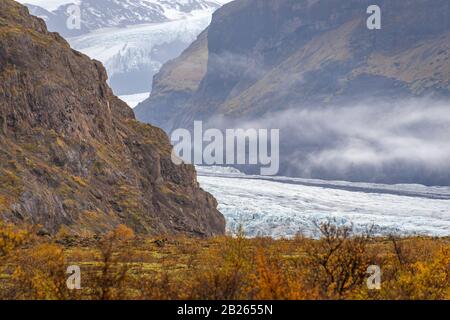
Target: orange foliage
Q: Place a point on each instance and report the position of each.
(120, 265)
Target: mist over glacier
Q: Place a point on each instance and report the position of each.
(371, 140)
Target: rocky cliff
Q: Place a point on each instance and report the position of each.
(72, 154)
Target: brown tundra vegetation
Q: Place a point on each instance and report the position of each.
(121, 265)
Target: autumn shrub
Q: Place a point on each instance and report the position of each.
(418, 269)
(160, 286)
(222, 272)
(274, 279)
(336, 264)
(119, 265)
(107, 280)
(40, 273)
(11, 237)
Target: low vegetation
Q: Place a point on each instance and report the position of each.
(121, 265)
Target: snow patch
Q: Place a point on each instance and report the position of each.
(134, 99)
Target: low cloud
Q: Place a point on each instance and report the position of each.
(391, 142)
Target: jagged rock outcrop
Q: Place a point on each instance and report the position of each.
(72, 154)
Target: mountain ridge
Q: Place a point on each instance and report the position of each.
(119, 13)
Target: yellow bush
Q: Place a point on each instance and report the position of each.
(41, 274)
(425, 279)
(119, 265)
(274, 281)
(10, 238)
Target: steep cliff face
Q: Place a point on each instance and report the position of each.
(71, 153)
(266, 57)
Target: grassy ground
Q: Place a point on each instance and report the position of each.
(120, 265)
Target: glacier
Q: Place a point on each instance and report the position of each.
(134, 54)
(132, 38)
(283, 207)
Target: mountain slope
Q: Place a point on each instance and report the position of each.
(287, 64)
(72, 154)
(175, 84)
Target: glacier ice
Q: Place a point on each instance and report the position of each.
(136, 53)
(283, 207)
(132, 38)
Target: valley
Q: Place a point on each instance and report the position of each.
(353, 202)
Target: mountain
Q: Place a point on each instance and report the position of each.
(99, 14)
(352, 103)
(175, 85)
(72, 153)
(132, 38)
(134, 54)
